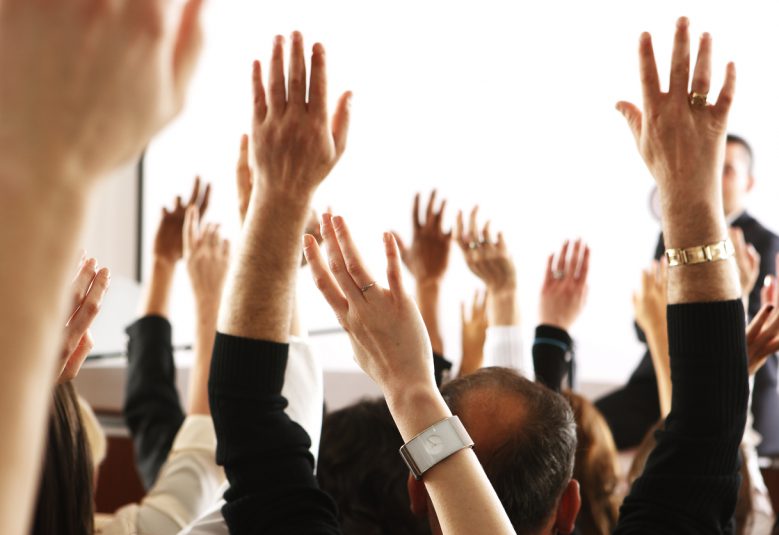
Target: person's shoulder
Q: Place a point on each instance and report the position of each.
(756, 233)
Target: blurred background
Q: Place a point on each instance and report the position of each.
(509, 105)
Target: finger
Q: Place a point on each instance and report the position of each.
(81, 282)
(276, 82)
(483, 304)
(297, 72)
(475, 304)
(76, 358)
(401, 245)
(341, 118)
(754, 256)
(766, 294)
(204, 202)
(725, 98)
(561, 259)
(486, 235)
(633, 117)
(737, 237)
(195, 192)
(701, 77)
(585, 269)
(473, 230)
(430, 213)
(226, 248)
(191, 231)
(439, 217)
(767, 332)
(415, 215)
(258, 91)
(754, 327)
(549, 276)
(573, 261)
(501, 243)
(90, 307)
(336, 261)
(394, 276)
(178, 206)
(463, 318)
(650, 81)
(243, 172)
(680, 60)
(189, 42)
(317, 90)
(323, 278)
(354, 264)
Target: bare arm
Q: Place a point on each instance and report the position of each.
(391, 345)
(65, 121)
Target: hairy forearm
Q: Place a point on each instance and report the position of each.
(462, 496)
(40, 237)
(698, 223)
(262, 283)
(428, 301)
(156, 301)
(502, 308)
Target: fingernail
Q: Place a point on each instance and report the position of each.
(768, 280)
(338, 221)
(278, 40)
(308, 241)
(297, 37)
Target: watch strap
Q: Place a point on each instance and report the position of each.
(721, 250)
(434, 444)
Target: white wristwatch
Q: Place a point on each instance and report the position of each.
(435, 444)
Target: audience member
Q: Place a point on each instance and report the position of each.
(631, 410)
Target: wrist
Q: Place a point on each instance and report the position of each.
(502, 307)
(689, 224)
(415, 407)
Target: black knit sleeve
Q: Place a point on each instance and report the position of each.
(690, 483)
(152, 409)
(265, 455)
(552, 350)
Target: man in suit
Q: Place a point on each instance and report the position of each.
(634, 408)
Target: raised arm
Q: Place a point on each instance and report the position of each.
(391, 345)
(427, 258)
(562, 299)
(691, 478)
(265, 455)
(79, 99)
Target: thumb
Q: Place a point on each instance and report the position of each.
(341, 122)
(633, 116)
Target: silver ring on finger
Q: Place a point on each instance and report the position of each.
(558, 274)
(368, 286)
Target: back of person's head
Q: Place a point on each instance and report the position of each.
(525, 438)
(596, 468)
(65, 499)
(359, 466)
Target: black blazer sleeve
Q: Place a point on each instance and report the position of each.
(265, 455)
(691, 479)
(152, 409)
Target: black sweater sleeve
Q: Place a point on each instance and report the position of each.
(152, 409)
(691, 479)
(552, 350)
(265, 455)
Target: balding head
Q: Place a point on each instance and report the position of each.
(525, 439)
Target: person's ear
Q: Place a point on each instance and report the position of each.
(417, 495)
(750, 183)
(568, 508)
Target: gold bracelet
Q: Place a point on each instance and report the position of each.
(722, 250)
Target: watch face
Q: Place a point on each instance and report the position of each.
(434, 444)
(654, 203)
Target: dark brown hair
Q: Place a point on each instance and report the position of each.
(65, 497)
(596, 468)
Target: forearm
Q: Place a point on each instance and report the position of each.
(428, 293)
(502, 307)
(262, 284)
(156, 301)
(657, 340)
(205, 332)
(462, 496)
(39, 236)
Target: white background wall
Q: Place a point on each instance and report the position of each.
(507, 104)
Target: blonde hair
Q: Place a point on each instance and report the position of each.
(95, 434)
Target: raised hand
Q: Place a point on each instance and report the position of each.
(384, 325)
(487, 259)
(428, 255)
(747, 260)
(90, 93)
(88, 287)
(207, 256)
(650, 301)
(295, 143)
(762, 337)
(244, 178)
(474, 334)
(769, 293)
(564, 291)
(168, 245)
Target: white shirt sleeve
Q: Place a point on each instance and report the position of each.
(503, 347)
(304, 390)
(186, 487)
